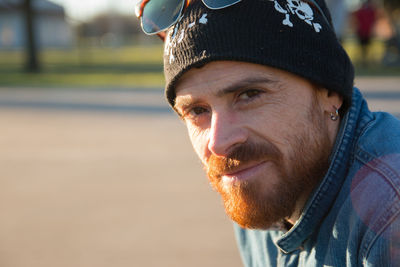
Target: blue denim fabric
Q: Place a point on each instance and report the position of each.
(353, 217)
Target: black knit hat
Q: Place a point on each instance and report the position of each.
(287, 34)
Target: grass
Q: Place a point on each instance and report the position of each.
(374, 58)
(128, 67)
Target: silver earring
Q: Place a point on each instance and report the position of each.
(335, 116)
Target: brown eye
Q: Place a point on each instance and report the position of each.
(196, 111)
(248, 94)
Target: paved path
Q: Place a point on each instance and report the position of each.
(382, 94)
(97, 185)
(140, 101)
(108, 178)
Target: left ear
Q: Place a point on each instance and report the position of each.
(330, 101)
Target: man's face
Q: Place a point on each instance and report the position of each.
(261, 134)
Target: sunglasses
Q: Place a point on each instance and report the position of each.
(158, 15)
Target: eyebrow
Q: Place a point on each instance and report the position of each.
(245, 83)
(185, 101)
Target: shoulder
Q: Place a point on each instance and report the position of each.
(377, 158)
(381, 135)
(376, 166)
(375, 184)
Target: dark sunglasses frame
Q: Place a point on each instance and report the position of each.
(211, 4)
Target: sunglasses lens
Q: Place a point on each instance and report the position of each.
(159, 15)
(217, 4)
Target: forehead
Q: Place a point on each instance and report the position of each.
(221, 74)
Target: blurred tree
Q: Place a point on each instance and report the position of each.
(392, 55)
(392, 3)
(122, 27)
(32, 64)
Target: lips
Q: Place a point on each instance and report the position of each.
(244, 173)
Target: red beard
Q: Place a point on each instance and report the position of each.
(268, 199)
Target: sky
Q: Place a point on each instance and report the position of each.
(81, 10)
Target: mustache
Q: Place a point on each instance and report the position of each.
(244, 153)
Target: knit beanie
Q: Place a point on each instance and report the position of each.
(290, 35)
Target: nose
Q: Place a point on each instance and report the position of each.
(225, 133)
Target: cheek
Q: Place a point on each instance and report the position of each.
(199, 140)
(267, 124)
(277, 126)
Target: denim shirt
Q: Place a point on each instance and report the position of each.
(353, 217)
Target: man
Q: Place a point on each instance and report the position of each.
(365, 18)
(308, 174)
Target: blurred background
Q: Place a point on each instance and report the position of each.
(95, 169)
